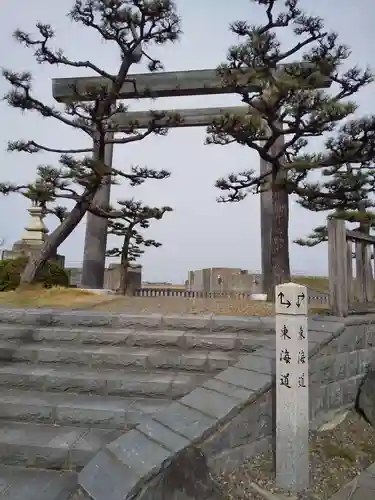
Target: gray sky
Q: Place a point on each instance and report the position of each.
(200, 232)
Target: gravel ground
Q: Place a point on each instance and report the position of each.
(183, 305)
(336, 457)
(221, 306)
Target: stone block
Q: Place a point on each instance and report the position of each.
(141, 455)
(250, 343)
(314, 348)
(220, 360)
(232, 459)
(34, 412)
(229, 390)
(112, 417)
(211, 403)
(163, 435)
(253, 423)
(163, 338)
(268, 324)
(187, 322)
(334, 395)
(222, 341)
(44, 446)
(327, 369)
(366, 360)
(366, 397)
(109, 337)
(266, 352)
(320, 337)
(139, 321)
(353, 338)
(106, 478)
(350, 390)
(256, 364)
(317, 400)
(192, 361)
(188, 422)
(236, 324)
(325, 327)
(21, 484)
(254, 381)
(90, 442)
(146, 384)
(352, 365)
(68, 381)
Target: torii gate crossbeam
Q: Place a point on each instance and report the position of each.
(168, 84)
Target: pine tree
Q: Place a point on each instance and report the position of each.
(285, 112)
(124, 222)
(70, 183)
(132, 26)
(344, 192)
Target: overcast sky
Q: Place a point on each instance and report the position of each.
(200, 232)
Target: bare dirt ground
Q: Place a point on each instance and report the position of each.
(337, 456)
(71, 298)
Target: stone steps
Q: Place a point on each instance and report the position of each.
(51, 446)
(75, 409)
(116, 355)
(68, 387)
(18, 483)
(135, 337)
(102, 381)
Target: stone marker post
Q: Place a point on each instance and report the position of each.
(292, 388)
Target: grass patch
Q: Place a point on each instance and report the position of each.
(55, 297)
(318, 283)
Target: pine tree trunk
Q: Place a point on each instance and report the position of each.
(124, 277)
(267, 201)
(125, 262)
(280, 236)
(54, 240)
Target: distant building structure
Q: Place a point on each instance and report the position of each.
(111, 277)
(224, 280)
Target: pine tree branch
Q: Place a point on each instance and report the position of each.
(34, 147)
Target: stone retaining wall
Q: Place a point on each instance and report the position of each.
(214, 428)
(226, 420)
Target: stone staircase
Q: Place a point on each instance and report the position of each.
(65, 392)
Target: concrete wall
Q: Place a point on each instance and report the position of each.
(112, 277)
(224, 279)
(229, 418)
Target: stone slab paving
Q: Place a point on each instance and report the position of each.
(50, 446)
(361, 488)
(71, 409)
(26, 484)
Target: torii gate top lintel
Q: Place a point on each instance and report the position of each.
(166, 84)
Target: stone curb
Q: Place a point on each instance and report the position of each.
(89, 318)
(130, 464)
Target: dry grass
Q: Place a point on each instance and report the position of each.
(318, 283)
(336, 457)
(221, 306)
(72, 298)
(57, 297)
(184, 305)
(153, 286)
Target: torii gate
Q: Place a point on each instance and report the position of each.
(167, 84)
